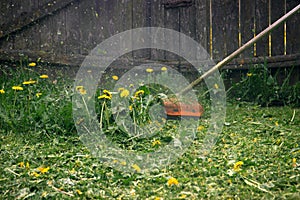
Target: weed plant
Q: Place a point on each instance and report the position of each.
(260, 86)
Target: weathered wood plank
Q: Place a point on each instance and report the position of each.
(293, 30)
(157, 20)
(202, 23)
(141, 17)
(224, 27)
(261, 22)
(188, 28)
(277, 11)
(172, 18)
(28, 18)
(247, 26)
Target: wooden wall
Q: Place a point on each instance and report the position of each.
(64, 31)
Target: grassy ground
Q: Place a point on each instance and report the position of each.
(256, 157)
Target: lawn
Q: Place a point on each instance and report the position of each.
(256, 156)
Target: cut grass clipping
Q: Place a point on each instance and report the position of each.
(257, 155)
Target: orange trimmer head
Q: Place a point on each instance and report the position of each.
(175, 109)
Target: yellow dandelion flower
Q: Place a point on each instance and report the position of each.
(21, 164)
(44, 194)
(276, 124)
(106, 95)
(82, 91)
(172, 181)
(216, 86)
(294, 162)
(79, 87)
(72, 171)
(249, 74)
(158, 198)
(136, 167)
(139, 93)
(2, 91)
(29, 82)
(156, 142)
(78, 192)
(27, 165)
(38, 94)
(123, 163)
(17, 88)
(124, 93)
(44, 76)
(149, 70)
(115, 77)
(43, 169)
(164, 69)
(237, 166)
(35, 174)
(200, 128)
(130, 107)
(32, 64)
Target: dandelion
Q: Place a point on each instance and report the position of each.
(163, 69)
(149, 70)
(130, 107)
(80, 89)
(200, 128)
(124, 93)
(216, 86)
(38, 94)
(276, 124)
(35, 174)
(32, 64)
(21, 164)
(115, 77)
(27, 165)
(17, 88)
(2, 91)
(139, 93)
(156, 142)
(106, 95)
(158, 198)
(43, 169)
(237, 166)
(136, 168)
(172, 181)
(29, 82)
(249, 74)
(123, 163)
(294, 162)
(78, 192)
(44, 76)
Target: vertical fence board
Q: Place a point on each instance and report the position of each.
(172, 22)
(247, 25)
(140, 18)
(46, 31)
(59, 33)
(157, 20)
(202, 23)
(73, 30)
(277, 10)
(261, 19)
(188, 28)
(225, 31)
(293, 30)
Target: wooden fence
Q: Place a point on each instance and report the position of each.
(64, 31)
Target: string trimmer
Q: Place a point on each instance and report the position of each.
(175, 108)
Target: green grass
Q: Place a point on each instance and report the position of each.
(40, 132)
